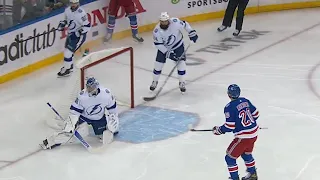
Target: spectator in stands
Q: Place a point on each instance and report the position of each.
(55, 4)
(17, 11)
(33, 9)
(6, 20)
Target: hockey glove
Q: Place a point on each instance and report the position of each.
(193, 36)
(113, 123)
(71, 123)
(172, 56)
(216, 130)
(61, 25)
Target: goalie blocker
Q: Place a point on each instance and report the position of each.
(95, 106)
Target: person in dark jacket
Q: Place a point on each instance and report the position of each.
(228, 16)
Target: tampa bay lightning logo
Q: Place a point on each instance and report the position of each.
(72, 25)
(93, 110)
(171, 40)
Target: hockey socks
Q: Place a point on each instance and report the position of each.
(232, 167)
(133, 24)
(68, 58)
(181, 70)
(250, 163)
(157, 70)
(111, 24)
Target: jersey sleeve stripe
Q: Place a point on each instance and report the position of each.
(113, 106)
(76, 109)
(228, 126)
(255, 114)
(158, 43)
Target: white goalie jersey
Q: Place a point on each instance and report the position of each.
(171, 38)
(94, 108)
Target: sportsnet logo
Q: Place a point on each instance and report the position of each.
(201, 3)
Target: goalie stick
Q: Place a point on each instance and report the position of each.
(167, 78)
(78, 136)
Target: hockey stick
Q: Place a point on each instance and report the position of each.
(76, 134)
(167, 78)
(212, 129)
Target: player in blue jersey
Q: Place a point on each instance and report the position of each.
(241, 118)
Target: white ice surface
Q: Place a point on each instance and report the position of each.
(276, 79)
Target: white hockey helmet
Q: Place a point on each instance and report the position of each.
(74, 1)
(164, 16)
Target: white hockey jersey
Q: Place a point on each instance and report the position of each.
(77, 20)
(94, 107)
(171, 38)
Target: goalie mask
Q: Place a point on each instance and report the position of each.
(92, 86)
(164, 20)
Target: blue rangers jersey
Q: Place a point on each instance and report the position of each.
(241, 118)
(171, 38)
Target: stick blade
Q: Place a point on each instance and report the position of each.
(149, 98)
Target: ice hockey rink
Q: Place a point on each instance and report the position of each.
(275, 62)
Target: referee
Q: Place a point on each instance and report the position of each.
(228, 16)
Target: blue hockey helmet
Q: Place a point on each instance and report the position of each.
(92, 85)
(234, 91)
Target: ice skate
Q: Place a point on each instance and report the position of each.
(222, 28)
(182, 86)
(107, 38)
(250, 176)
(65, 72)
(236, 32)
(137, 38)
(153, 85)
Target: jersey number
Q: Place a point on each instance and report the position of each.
(246, 117)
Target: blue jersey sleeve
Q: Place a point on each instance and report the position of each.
(254, 111)
(230, 124)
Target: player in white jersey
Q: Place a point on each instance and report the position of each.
(168, 39)
(78, 25)
(94, 106)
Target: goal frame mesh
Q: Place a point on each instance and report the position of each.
(125, 50)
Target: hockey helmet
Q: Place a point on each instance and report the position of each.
(164, 16)
(234, 91)
(74, 5)
(74, 1)
(164, 20)
(92, 86)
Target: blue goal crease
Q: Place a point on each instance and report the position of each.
(147, 124)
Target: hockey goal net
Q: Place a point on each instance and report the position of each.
(113, 68)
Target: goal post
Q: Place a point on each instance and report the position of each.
(113, 68)
(115, 54)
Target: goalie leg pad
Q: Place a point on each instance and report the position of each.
(59, 138)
